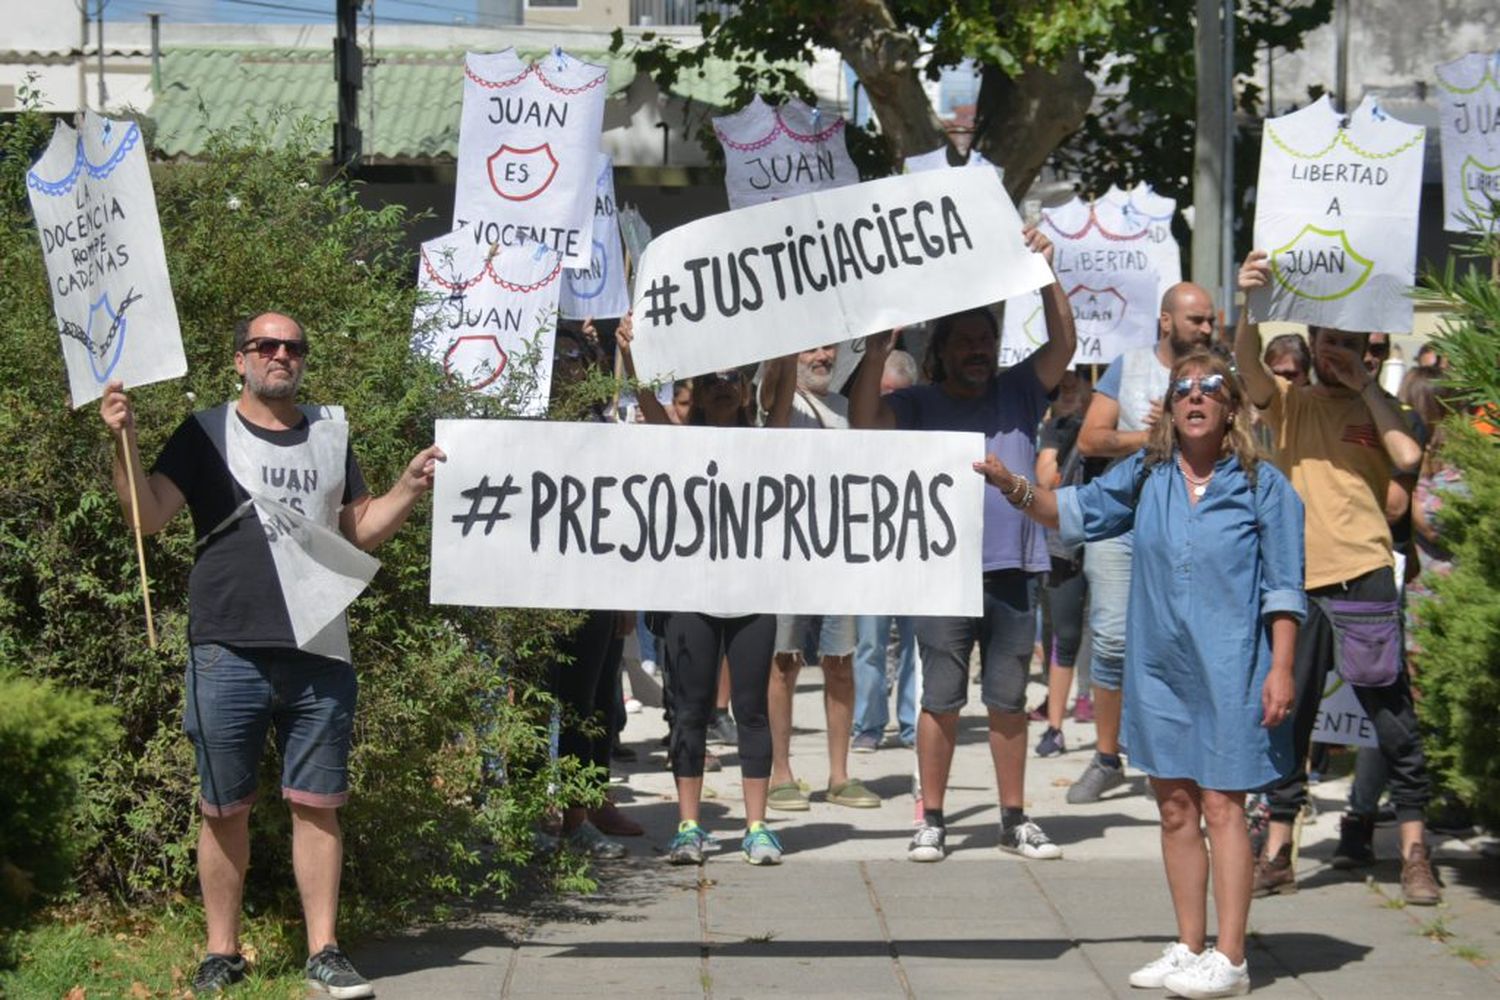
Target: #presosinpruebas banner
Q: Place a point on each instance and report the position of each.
(1336, 209)
(721, 521)
(826, 267)
(96, 214)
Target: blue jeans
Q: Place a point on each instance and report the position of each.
(1107, 566)
(871, 699)
(236, 695)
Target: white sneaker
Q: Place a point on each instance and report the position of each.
(648, 667)
(1174, 958)
(1028, 840)
(632, 706)
(927, 844)
(1211, 976)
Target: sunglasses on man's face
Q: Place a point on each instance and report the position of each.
(267, 347)
(1378, 350)
(1206, 384)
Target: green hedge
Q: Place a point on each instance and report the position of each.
(48, 741)
(444, 690)
(1458, 668)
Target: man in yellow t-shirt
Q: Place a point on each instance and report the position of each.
(1340, 441)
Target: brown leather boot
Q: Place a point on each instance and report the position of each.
(1419, 886)
(1274, 876)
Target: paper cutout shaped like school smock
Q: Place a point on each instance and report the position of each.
(1336, 208)
(1110, 277)
(527, 146)
(477, 314)
(937, 159)
(598, 291)
(297, 493)
(1142, 208)
(96, 214)
(1469, 99)
(772, 153)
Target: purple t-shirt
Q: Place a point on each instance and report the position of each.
(1007, 415)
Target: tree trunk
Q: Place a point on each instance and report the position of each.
(884, 57)
(1021, 120)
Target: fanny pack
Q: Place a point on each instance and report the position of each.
(1366, 640)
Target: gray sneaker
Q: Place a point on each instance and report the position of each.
(331, 972)
(585, 838)
(1096, 779)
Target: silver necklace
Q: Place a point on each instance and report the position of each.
(1199, 486)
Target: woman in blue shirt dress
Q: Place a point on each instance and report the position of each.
(1215, 599)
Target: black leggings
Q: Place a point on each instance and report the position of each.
(1067, 590)
(694, 645)
(586, 690)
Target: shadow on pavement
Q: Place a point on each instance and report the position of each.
(1297, 953)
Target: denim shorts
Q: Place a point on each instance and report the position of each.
(815, 636)
(235, 694)
(1006, 634)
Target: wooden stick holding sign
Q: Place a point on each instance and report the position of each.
(140, 546)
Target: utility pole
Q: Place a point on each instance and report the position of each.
(103, 96)
(1213, 151)
(83, 55)
(155, 51)
(348, 71)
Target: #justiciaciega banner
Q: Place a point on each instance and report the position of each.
(826, 267)
(722, 521)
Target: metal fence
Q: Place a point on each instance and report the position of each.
(666, 13)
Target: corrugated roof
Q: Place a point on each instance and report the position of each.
(417, 95)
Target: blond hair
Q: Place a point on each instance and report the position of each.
(1238, 441)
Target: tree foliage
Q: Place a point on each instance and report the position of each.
(447, 693)
(1039, 60)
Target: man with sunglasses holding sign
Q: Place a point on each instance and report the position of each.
(1341, 441)
(283, 519)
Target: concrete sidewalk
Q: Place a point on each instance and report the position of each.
(848, 915)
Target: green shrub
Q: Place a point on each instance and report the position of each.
(49, 742)
(1458, 669)
(444, 690)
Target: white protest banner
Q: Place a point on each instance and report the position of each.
(598, 291)
(1341, 718)
(1469, 99)
(478, 314)
(1336, 208)
(937, 159)
(1111, 280)
(527, 147)
(1127, 212)
(723, 521)
(96, 213)
(772, 153)
(826, 267)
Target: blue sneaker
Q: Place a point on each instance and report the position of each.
(761, 846)
(688, 845)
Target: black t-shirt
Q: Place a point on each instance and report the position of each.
(233, 594)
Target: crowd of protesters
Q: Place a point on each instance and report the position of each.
(1209, 526)
(1308, 497)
